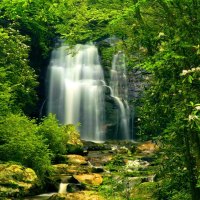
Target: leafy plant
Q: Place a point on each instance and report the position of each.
(21, 143)
(54, 134)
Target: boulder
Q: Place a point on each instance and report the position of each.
(92, 179)
(99, 158)
(147, 147)
(136, 164)
(16, 180)
(76, 159)
(60, 169)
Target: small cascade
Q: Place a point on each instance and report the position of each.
(76, 93)
(63, 188)
(119, 91)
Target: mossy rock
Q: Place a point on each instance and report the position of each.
(16, 180)
(83, 195)
(58, 197)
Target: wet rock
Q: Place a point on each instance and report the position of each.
(55, 181)
(97, 169)
(16, 180)
(71, 187)
(58, 197)
(136, 164)
(68, 179)
(116, 149)
(98, 158)
(83, 195)
(92, 179)
(147, 147)
(76, 159)
(92, 146)
(61, 168)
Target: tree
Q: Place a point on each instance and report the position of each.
(55, 136)
(18, 80)
(21, 143)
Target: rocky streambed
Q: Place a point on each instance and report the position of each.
(111, 170)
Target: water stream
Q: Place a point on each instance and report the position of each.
(119, 91)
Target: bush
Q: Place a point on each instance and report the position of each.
(21, 143)
(55, 136)
(74, 143)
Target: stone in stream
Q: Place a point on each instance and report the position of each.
(76, 159)
(92, 179)
(98, 158)
(147, 147)
(83, 195)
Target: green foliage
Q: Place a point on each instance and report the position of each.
(17, 78)
(169, 108)
(144, 191)
(33, 18)
(21, 143)
(55, 135)
(117, 160)
(115, 188)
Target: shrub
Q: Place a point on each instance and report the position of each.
(21, 143)
(54, 134)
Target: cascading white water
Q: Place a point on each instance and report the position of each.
(76, 92)
(119, 92)
(63, 188)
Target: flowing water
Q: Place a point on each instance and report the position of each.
(76, 90)
(119, 91)
(63, 188)
(40, 197)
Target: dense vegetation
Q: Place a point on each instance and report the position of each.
(160, 36)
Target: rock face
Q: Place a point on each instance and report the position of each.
(16, 181)
(138, 80)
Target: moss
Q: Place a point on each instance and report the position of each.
(16, 180)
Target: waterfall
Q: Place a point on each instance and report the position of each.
(63, 188)
(76, 91)
(119, 91)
